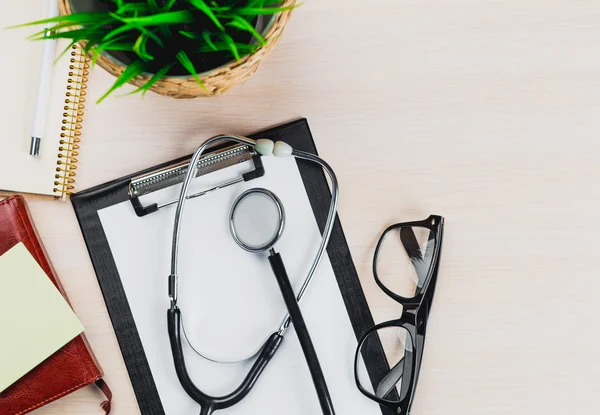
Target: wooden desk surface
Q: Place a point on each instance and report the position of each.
(484, 111)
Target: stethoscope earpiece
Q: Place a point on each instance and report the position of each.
(266, 147)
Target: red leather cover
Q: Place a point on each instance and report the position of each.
(72, 367)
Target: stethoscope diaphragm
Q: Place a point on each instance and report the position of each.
(257, 220)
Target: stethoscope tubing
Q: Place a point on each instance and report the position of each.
(287, 291)
(326, 236)
(209, 404)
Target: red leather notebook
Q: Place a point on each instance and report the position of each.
(72, 367)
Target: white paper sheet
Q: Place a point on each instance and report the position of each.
(230, 300)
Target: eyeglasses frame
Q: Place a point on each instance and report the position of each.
(414, 317)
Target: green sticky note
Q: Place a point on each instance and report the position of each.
(35, 319)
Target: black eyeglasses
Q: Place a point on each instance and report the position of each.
(388, 356)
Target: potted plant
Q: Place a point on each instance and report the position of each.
(177, 48)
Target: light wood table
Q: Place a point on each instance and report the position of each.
(484, 111)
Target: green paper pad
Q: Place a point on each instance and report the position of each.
(35, 319)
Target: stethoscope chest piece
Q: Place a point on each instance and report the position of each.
(257, 220)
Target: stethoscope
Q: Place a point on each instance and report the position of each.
(256, 222)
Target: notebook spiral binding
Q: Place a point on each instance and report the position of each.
(70, 137)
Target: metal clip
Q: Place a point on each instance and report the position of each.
(173, 288)
(175, 174)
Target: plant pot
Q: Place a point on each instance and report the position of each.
(216, 81)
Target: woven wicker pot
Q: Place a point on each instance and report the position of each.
(217, 80)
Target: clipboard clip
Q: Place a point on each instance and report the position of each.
(174, 174)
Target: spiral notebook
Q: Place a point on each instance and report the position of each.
(52, 173)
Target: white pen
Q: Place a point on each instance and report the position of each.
(44, 85)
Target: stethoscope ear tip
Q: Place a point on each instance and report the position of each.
(266, 147)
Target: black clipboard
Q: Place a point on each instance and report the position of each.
(88, 203)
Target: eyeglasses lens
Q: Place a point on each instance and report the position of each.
(404, 258)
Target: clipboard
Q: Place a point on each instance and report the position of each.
(133, 194)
